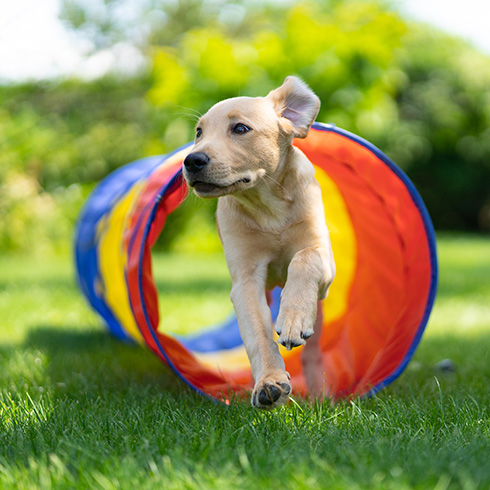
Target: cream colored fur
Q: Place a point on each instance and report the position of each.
(272, 226)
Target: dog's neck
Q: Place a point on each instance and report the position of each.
(269, 204)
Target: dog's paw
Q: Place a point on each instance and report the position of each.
(294, 326)
(270, 393)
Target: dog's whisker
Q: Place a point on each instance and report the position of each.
(275, 182)
(191, 112)
(191, 109)
(194, 117)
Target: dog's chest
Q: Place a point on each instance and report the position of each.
(282, 247)
(277, 272)
(279, 260)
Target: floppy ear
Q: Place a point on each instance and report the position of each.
(295, 102)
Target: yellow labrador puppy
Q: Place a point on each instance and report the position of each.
(272, 226)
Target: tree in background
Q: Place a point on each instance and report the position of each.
(420, 95)
(56, 141)
(423, 97)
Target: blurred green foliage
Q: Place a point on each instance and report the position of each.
(56, 141)
(421, 96)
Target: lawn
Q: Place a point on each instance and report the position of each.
(79, 409)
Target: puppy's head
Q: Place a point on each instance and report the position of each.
(240, 140)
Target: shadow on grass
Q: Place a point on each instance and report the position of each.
(463, 283)
(118, 400)
(193, 287)
(468, 373)
(96, 358)
(48, 284)
(86, 392)
(90, 359)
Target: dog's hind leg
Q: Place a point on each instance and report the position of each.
(312, 360)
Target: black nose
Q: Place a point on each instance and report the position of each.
(195, 161)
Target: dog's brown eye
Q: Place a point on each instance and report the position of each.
(240, 128)
(198, 132)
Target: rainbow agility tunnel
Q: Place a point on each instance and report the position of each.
(379, 303)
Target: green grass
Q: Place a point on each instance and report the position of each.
(78, 409)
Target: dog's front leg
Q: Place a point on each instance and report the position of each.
(272, 386)
(310, 273)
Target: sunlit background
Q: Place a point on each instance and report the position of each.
(86, 86)
(35, 43)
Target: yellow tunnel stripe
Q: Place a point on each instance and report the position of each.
(344, 246)
(113, 260)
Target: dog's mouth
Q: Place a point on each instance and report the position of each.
(209, 188)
